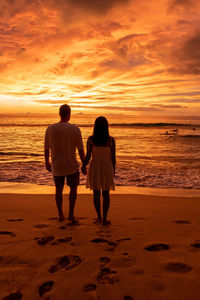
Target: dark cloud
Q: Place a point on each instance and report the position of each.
(182, 6)
(10, 8)
(97, 6)
(60, 69)
(186, 58)
(21, 51)
(181, 3)
(167, 106)
(128, 46)
(128, 53)
(125, 65)
(184, 22)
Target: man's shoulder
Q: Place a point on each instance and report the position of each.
(74, 127)
(63, 126)
(52, 126)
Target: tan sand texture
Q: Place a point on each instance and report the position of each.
(150, 251)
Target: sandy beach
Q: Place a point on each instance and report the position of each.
(150, 251)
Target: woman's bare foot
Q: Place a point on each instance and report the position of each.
(106, 222)
(73, 220)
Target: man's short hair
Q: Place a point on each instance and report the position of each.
(64, 110)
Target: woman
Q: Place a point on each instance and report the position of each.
(101, 146)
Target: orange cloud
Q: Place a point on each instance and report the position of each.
(106, 52)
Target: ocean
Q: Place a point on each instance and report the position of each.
(150, 151)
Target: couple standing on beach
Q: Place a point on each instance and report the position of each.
(61, 141)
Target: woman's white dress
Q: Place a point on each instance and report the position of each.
(100, 174)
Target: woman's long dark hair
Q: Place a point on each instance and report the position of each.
(100, 132)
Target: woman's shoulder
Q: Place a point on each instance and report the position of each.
(111, 141)
(89, 138)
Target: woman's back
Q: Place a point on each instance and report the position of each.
(101, 172)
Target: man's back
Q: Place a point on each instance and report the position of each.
(62, 139)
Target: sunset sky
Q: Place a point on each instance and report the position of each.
(118, 56)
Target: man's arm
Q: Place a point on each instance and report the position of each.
(87, 157)
(46, 152)
(47, 163)
(81, 153)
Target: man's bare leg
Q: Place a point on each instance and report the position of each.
(59, 202)
(97, 204)
(106, 205)
(72, 201)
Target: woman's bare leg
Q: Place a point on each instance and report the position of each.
(106, 205)
(97, 204)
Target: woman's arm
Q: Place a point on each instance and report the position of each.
(113, 153)
(88, 155)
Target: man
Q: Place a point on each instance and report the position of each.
(61, 140)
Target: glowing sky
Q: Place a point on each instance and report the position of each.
(127, 56)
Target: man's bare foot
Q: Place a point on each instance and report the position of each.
(61, 218)
(106, 222)
(97, 221)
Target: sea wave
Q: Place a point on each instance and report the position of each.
(35, 172)
(19, 154)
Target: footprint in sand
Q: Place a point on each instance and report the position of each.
(7, 233)
(182, 222)
(178, 267)
(158, 285)
(123, 239)
(123, 262)
(63, 227)
(138, 272)
(62, 262)
(61, 241)
(105, 235)
(15, 220)
(45, 287)
(105, 260)
(13, 260)
(89, 287)
(137, 219)
(106, 276)
(196, 244)
(68, 262)
(157, 247)
(44, 240)
(112, 245)
(128, 298)
(14, 296)
(40, 226)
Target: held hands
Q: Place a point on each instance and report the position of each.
(84, 170)
(48, 167)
